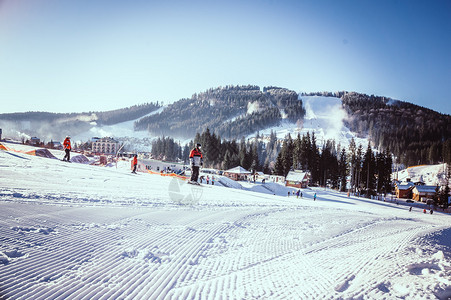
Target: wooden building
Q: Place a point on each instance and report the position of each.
(404, 190)
(424, 192)
(237, 173)
(298, 179)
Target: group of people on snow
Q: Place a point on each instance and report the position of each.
(195, 156)
(196, 161)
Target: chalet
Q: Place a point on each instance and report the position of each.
(237, 173)
(423, 192)
(298, 179)
(404, 190)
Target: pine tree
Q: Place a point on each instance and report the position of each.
(353, 163)
(287, 155)
(297, 151)
(227, 162)
(245, 158)
(343, 170)
(306, 152)
(368, 172)
(314, 158)
(255, 165)
(358, 168)
(278, 166)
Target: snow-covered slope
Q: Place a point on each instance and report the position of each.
(429, 174)
(325, 117)
(75, 231)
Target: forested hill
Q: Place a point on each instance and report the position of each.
(56, 125)
(416, 135)
(231, 112)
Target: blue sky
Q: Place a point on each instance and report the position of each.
(91, 55)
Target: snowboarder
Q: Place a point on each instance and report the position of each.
(314, 197)
(410, 209)
(196, 160)
(67, 148)
(134, 163)
(431, 211)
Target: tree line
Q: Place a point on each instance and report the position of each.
(329, 164)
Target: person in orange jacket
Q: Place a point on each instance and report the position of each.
(67, 148)
(134, 163)
(196, 160)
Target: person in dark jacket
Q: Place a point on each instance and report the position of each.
(196, 161)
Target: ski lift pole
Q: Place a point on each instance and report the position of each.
(117, 153)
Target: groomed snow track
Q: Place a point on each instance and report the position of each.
(74, 231)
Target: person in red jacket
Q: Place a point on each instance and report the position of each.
(67, 148)
(134, 163)
(196, 160)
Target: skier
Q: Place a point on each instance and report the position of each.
(314, 197)
(134, 163)
(208, 179)
(212, 180)
(297, 193)
(196, 160)
(67, 148)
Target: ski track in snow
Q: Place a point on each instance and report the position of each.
(73, 231)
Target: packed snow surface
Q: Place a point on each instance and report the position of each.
(76, 231)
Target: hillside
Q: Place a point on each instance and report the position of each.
(75, 231)
(412, 133)
(231, 112)
(55, 126)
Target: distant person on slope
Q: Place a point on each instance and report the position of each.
(196, 160)
(134, 163)
(67, 148)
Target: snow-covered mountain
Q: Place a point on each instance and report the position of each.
(76, 231)
(324, 116)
